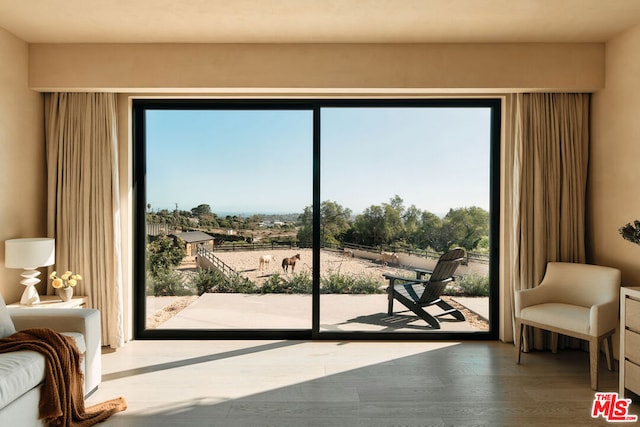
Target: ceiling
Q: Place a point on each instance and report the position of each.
(317, 21)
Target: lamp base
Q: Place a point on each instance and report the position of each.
(30, 295)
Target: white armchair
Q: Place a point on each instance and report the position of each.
(578, 300)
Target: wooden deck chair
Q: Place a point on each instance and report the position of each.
(417, 294)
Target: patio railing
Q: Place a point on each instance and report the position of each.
(217, 263)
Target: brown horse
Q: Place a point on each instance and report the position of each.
(286, 262)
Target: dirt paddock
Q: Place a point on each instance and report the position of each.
(247, 263)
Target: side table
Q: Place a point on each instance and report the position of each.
(53, 301)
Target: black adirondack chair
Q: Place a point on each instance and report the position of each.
(417, 294)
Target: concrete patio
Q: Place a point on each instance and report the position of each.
(338, 312)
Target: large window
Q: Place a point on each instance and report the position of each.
(292, 219)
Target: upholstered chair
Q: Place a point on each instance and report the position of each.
(577, 300)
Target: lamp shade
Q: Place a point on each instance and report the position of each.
(29, 253)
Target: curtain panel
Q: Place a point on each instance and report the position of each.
(549, 178)
(83, 203)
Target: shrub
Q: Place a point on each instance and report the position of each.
(301, 283)
(167, 283)
(470, 285)
(337, 283)
(207, 280)
(236, 285)
(276, 284)
(214, 281)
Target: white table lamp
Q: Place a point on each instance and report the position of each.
(29, 254)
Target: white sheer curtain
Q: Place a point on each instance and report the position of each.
(83, 204)
(550, 160)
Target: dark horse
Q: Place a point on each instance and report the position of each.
(290, 262)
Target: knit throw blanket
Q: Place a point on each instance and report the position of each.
(61, 397)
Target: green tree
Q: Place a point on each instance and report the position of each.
(396, 203)
(305, 233)
(411, 219)
(435, 233)
(334, 223)
(369, 226)
(470, 226)
(380, 225)
(163, 254)
(394, 227)
(202, 210)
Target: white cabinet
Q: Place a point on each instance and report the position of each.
(629, 340)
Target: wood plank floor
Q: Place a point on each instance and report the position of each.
(296, 383)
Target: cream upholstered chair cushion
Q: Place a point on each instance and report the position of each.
(578, 300)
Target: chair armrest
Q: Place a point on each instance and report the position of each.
(58, 319)
(603, 318)
(394, 276)
(412, 281)
(85, 321)
(528, 297)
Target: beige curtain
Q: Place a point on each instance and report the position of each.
(83, 204)
(550, 159)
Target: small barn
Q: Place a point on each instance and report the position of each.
(195, 240)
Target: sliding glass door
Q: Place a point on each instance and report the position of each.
(296, 218)
(401, 186)
(223, 191)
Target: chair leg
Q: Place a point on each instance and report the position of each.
(390, 298)
(554, 342)
(608, 352)
(594, 352)
(449, 309)
(519, 330)
(416, 309)
(432, 321)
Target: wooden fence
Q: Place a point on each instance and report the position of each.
(243, 246)
(471, 257)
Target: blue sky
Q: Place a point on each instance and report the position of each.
(261, 161)
(235, 161)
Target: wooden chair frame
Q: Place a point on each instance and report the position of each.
(417, 294)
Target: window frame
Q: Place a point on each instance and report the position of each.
(140, 106)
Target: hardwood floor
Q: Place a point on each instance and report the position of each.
(295, 383)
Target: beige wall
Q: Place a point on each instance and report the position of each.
(290, 70)
(614, 172)
(22, 158)
(351, 68)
